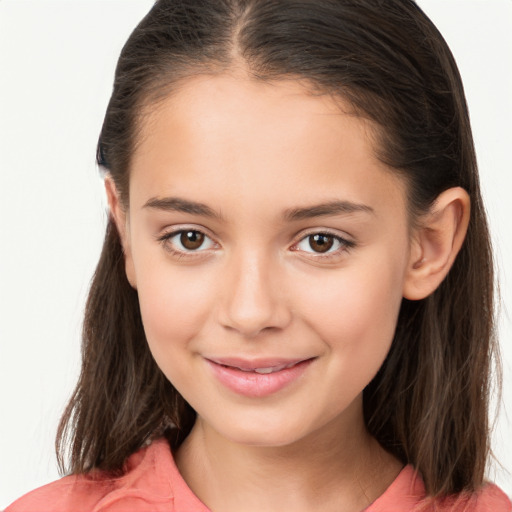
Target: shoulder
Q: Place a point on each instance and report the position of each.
(407, 494)
(491, 497)
(150, 482)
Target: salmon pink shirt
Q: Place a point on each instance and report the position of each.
(152, 483)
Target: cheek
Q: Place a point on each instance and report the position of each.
(174, 306)
(355, 313)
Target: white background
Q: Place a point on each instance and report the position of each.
(57, 60)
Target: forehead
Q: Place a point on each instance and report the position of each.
(213, 105)
(223, 134)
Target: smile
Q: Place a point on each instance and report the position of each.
(257, 378)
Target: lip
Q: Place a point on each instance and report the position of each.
(239, 375)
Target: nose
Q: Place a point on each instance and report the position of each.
(254, 298)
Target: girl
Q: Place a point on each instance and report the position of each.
(293, 307)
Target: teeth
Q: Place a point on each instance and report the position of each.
(266, 370)
(270, 369)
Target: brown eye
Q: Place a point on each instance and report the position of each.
(191, 240)
(324, 245)
(187, 243)
(321, 242)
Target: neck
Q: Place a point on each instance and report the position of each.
(335, 469)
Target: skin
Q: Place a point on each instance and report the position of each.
(254, 154)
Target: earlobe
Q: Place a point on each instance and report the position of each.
(436, 243)
(118, 216)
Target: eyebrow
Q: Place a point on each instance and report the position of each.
(292, 214)
(177, 204)
(325, 209)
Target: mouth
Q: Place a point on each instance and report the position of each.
(262, 367)
(258, 378)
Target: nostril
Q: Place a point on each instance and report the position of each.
(247, 331)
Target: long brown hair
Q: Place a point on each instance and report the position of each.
(428, 404)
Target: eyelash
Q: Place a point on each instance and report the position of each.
(166, 238)
(344, 244)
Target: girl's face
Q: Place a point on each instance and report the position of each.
(269, 248)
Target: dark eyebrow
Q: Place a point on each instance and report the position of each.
(324, 209)
(177, 204)
(293, 214)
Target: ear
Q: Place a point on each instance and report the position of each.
(436, 243)
(120, 219)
